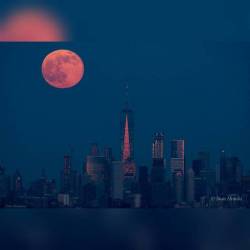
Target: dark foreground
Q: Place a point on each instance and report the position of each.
(125, 229)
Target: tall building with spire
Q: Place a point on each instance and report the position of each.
(127, 131)
(127, 152)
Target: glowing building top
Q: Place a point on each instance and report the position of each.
(126, 142)
(127, 131)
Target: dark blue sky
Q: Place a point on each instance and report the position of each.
(187, 65)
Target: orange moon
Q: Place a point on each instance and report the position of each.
(63, 69)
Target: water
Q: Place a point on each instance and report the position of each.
(125, 229)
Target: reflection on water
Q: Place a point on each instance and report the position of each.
(124, 229)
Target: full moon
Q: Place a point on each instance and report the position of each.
(62, 69)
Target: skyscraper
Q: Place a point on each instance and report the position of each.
(117, 183)
(190, 186)
(127, 131)
(144, 186)
(178, 187)
(157, 172)
(108, 154)
(17, 183)
(127, 144)
(177, 160)
(68, 177)
(127, 151)
(158, 146)
(177, 164)
(204, 176)
(159, 188)
(98, 172)
(4, 186)
(96, 167)
(201, 163)
(65, 175)
(230, 174)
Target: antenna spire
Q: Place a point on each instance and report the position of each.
(126, 95)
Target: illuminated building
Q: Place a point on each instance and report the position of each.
(177, 164)
(158, 168)
(96, 168)
(159, 187)
(158, 146)
(127, 132)
(127, 145)
(177, 160)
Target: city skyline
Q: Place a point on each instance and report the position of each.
(169, 151)
(105, 181)
(175, 160)
(127, 145)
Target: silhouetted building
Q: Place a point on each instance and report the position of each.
(245, 190)
(204, 176)
(230, 174)
(97, 169)
(94, 150)
(37, 188)
(64, 200)
(144, 186)
(129, 182)
(17, 190)
(179, 187)
(108, 154)
(68, 178)
(17, 184)
(202, 162)
(4, 186)
(117, 192)
(245, 184)
(190, 186)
